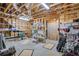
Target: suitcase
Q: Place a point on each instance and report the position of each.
(8, 51)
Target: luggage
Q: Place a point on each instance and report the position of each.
(5, 51)
(8, 51)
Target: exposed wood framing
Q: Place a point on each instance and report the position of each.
(8, 7)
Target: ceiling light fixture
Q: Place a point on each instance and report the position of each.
(24, 18)
(45, 6)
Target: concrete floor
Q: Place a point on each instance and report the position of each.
(39, 50)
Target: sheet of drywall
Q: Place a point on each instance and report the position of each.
(53, 30)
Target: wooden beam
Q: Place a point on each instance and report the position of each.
(60, 8)
(71, 8)
(1, 17)
(18, 8)
(7, 8)
(7, 14)
(2, 7)
(36, 6)
(38, 11)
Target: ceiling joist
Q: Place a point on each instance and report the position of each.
(8, 7)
